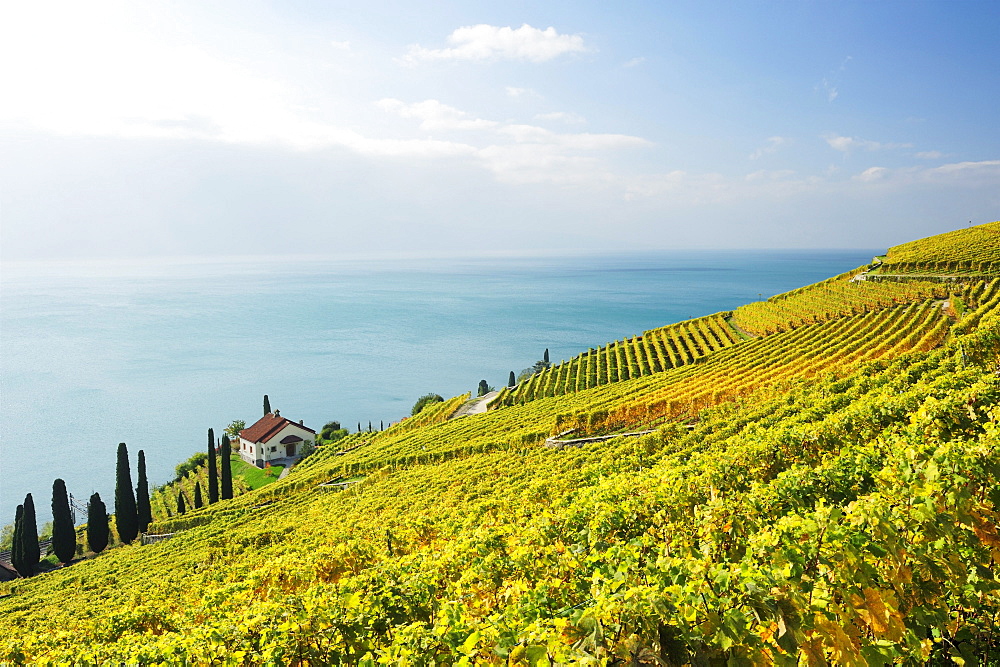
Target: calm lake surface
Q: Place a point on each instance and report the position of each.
(155, 353)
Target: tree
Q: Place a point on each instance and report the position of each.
(193, 463)
(126, 515)
(424, 401)
(511, 381)
(17, 546)
(29, 538)
(267, 405)
(538, 367)
(6, 537)
(63, 534)
(484, 388)
(213, 473)
(234, 428)
(332, 431)
(226, 453)
(198, 502)
(143, 511)
(545, 356)
(307, 448)
(180, 503)
(98, 530)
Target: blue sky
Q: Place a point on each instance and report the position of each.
(412, 128)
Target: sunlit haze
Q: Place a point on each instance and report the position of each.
(146, 129)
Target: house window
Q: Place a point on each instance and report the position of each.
(274, 449)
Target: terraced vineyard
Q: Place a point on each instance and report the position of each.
(823, 494)
(830, 300)
(975, 250)
(654, 351)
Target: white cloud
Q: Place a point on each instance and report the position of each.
(930, 155)
(634, 62)
(847, 144)
(769, 175)
(487, 42)
(828, 85)
(542, 163)
(434, 115)
(567, 117)
(772, 145)
(519, 152)
(872, 174)
(829, 89)
(513, 91)
(971, 174)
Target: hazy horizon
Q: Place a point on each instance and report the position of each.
(175, 128)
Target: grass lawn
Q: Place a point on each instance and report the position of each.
(253, 475)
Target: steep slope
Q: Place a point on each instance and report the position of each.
(826, 493)
(963, 251)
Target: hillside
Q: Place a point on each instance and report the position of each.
(818, 486)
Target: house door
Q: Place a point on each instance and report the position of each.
(289, 450)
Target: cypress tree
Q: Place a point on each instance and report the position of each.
(545, 357)
(369, 427)
(142, 508)
(126, 516)
(267, 405)
(29, 538)
(213, 472)
(359, 427)
(198, 502)
(180, 503)
(511, 381)
(484, 388)
(63, 535)
(17, 545)
(98, 530)
(226, 489)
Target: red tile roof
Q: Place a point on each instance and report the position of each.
(267, 426)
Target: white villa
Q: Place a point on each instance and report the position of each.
(273, 437)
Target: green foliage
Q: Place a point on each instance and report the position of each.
(17, 547)
(226, 480)
(143, 512)
(307, 448)
(829, 300)
(972, 250)
(63, 533)
(821, 495)
(234, 428)
(126, 515)
(511, 381)
(213, 472)
(484, 388)
(424, 401)
(196, 461)
(252, 476)
(6, 537)
(198, 502)
(181, 505)
(98, 529)
(29, 552)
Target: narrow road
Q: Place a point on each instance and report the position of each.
(476, 406)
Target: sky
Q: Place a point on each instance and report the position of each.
(333, 128)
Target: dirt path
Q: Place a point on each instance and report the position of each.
(738, 329)
(476, 406)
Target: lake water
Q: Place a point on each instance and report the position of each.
(155, 353)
